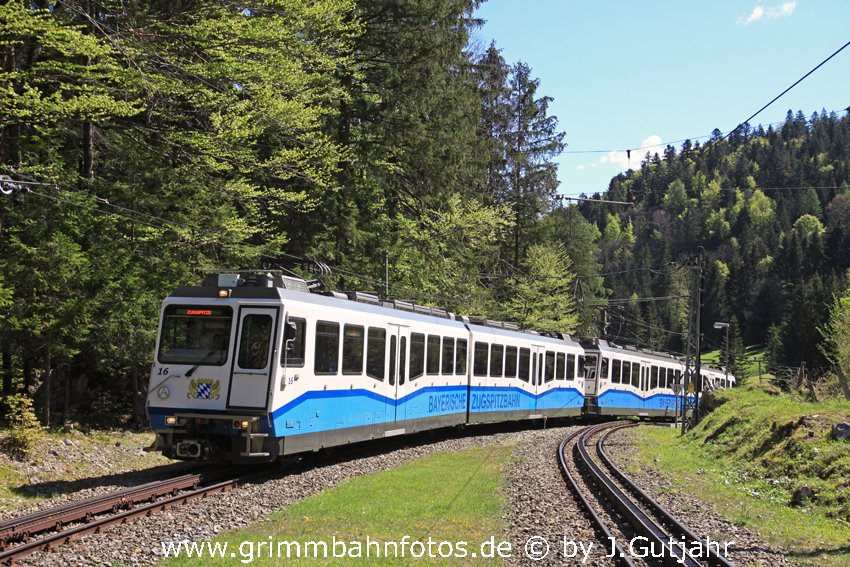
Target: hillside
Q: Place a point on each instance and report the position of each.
(770, 205)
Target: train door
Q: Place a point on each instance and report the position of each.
(252, 365)
(591, 364)
(546, 368)
(537, 372)
(397, 377)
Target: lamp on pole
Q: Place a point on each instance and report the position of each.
(720, 325)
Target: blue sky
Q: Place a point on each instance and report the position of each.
(626, 74)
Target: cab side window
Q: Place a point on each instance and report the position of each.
(292, 355)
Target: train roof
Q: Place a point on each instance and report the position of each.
(611, 348)
(275, 286)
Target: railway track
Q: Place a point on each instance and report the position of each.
(53, 527)
(642, 531)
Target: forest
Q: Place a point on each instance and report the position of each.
(144, 143)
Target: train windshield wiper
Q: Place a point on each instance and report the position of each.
(200, 362)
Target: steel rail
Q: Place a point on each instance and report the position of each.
(621, 557)
(96, 525)
(83, 510)
(671, 522)
(658, 540)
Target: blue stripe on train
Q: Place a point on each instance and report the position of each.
(623, 399)
(325, 410)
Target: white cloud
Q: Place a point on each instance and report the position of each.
(623, 161)
(769, 12)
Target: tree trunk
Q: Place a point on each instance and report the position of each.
(811, 386)
(7, 372)
(28, 381)
(66, 398)
(842, 380)
(48, 383)
(139, 396)
(87, 161)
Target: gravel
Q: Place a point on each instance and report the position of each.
(539, 505)
(140, 541)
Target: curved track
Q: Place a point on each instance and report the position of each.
(665, 540)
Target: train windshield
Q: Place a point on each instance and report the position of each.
(195, 334)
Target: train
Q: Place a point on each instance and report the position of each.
(256, 365)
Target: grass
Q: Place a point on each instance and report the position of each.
(68, 460)
(747, 458)
(455, 497)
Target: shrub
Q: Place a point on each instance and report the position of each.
(24, 428)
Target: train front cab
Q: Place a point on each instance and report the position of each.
(211, 379)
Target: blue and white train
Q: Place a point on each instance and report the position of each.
(253, 366)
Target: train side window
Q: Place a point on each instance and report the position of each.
(292, 354)
(561, 369)
(460, 360)
(417, 355)
(571, 366)
(603, 375)
(402, 360)
(549, 369)
(616, 370)
(677, 377)
(479, 363)
(636, 372)
(433, 360)
(510, 361)
(448, 356)
(352, 349)
(654, 378)
(392, 360)
(327, 348)
(524, 363)
(376, 348)
(662, 382)
(497, 356)
(627, 372)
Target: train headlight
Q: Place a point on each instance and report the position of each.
(163, 392)
(224, 293)
(170, 420)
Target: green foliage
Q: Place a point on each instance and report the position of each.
(25, 430)
(543, 297)
(836, 331)
(172, 138)
(5, 295)
(676, 198)
(580, 239)
(774, 255)
(808, 226)
(439, 255)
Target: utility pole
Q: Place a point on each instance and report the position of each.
(721, 325)
(698, 331)
(386, 275)
(692, 378)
